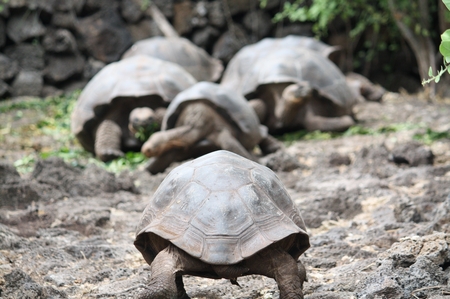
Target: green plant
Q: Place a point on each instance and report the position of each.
(444, 49)
(430, 136)
(144, 133)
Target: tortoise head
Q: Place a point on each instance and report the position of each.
(144, 121)
(298, 93)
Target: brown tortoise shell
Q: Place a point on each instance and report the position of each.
(221, 208)
(135, 80)
(181, 51)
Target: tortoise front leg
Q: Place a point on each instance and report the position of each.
(225, 140)
(281, 266)
(314, 122)
(163, 141)
(108, 139)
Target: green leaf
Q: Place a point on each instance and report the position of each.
(444, 48)
(446, 3)
(430, 71)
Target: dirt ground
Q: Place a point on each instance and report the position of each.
(376, 207)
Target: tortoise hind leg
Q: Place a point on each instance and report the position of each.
(281, 266)
(166, 270)
(108, 139)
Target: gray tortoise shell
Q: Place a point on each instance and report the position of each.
(181, 51)
(134, 77)
(221, 208)
(285, 64)
(227, 102)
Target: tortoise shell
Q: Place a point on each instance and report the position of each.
(289, 65)
(231, 105)
(139, 80)
(181, 51)
(221, 208)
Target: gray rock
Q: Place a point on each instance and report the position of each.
(59, 41)
(92, 67)
(229, 43)
(104, 35)
(205, 37)
(27, 83)
(61, 67)
(28, 56)
(8, 68)
(215, 14)
(65, 19)
(23, 26)
(4, 89)
(412, 153)
(258, 22)
(131, 10)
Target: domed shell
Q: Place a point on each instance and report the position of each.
(181, 51)
(221, 208)
(288, 65)
(227, 102)
(134, 77)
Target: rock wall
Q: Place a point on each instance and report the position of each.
(51, 46)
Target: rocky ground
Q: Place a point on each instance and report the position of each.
(376, 206)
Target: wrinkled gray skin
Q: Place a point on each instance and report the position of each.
(221, 216)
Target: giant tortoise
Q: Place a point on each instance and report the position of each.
(181, 51)
(135, 88)
(292, 87)
(202, 118)
(221, 216)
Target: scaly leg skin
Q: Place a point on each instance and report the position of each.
(314, 122)
(160, 163)
(108, 139)
(166, 281)
(281, 266)
(225, 140)
(270, 145)
(163, 280)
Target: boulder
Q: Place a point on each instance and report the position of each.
(64, 19)
(61, 67)
(59, 41)
(215, 14)
(24, 25)
(229, 43)
(131, 10)
(205, 37)
(258, 23)
(4, 89)
(92, 67)
(27, 83)
(104, 35)
(8, 68)
(28, 56)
